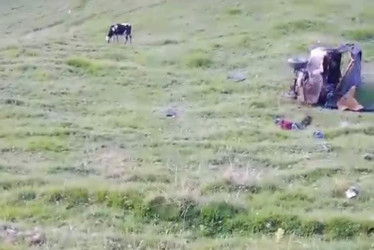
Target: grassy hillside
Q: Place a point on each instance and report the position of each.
(89, 156)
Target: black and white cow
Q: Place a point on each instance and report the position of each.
(120, 29)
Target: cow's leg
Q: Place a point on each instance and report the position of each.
(130, 38)
(125, 38)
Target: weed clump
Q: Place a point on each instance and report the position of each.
(234, 11)
(162, 208)
(86, 65)
(214, 218)
(72, 196)
(343, 228)
(198, 60)
(311, 227)
(126, 200)
(27, 195)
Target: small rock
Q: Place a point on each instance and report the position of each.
(171, 113)
(237, 76)
(351, 192)
(368, 157)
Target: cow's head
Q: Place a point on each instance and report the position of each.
(111, 33)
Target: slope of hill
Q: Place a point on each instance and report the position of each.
(89, 156)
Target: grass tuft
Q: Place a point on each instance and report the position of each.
(86, 66)
(199, 60)
(361, 35)
(234, 11)
(303, 25)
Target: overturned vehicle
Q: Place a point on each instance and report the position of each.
(319, 80)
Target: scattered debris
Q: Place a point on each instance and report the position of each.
(237, 76)
(369, 157)
(309, 86)
(351, 192)
(318, 134)
(289, 125)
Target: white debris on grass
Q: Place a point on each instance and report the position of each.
(351, 192)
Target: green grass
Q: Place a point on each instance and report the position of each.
(89, 156)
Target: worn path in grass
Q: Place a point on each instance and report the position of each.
(89, 156)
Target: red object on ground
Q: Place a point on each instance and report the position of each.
(285, 124)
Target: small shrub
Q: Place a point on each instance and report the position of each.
(199, 60)
(239, 224)
(311, 227)
(270, 224)
(72, 196)
(127, 200)
(56, 196)
(162, 208)
(27, 195)
(342, 228)
(79, 63)
(86, 65)
(190, 212)
(214, 217)
(77, 196)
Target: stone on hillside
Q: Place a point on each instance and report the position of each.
(369, 157)
(237, 76)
